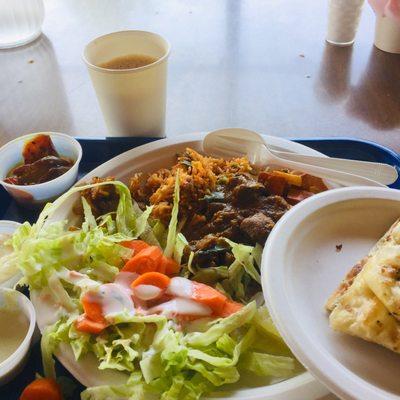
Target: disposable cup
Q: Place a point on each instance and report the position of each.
(387, 35)
(133, 100)
(343, 20)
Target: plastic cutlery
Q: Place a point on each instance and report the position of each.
(238, 142)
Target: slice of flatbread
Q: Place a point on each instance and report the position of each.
(392, 236)
(358, 312)
(382, 275)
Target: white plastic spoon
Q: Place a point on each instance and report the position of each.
(239, 142)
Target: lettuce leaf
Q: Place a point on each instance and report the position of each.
(244, 257)
(173, 224)
(162, 358)
(263, 364)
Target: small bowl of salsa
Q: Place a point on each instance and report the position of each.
(39, 167)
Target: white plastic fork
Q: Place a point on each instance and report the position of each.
(238, 142)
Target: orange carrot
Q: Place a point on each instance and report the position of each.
(92, 307)
(170, 266)
(148, 260)
(136, 245)
(152, 278)
(208, 296)
(42, 389)
(84, 324)
(230, 307)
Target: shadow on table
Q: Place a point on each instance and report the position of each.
(31, 79)
(334, 74)
(376, 97)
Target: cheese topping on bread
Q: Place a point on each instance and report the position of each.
(367, 302)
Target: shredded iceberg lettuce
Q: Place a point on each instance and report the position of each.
(168, 362)
(160, 358)
(173, 224)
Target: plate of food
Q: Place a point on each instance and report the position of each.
(146, 277)
(331, 284)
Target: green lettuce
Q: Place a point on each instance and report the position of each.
(173, 224)
(171, 364)
(244, 257)
(160, 357)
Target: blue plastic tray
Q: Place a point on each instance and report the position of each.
(97, 151)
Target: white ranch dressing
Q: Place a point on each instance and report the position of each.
(125, 279)
(78, 279)
(147, 292)
(115, 299)
(14, 327)
(180, 306)
(180, 287)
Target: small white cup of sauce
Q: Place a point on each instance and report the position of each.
(8, 276)
(32, 195)
(17, 321)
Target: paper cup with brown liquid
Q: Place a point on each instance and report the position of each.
(128, 70)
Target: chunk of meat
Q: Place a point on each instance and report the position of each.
(39, 147)
(102, 199)
(257, 227)
(211, 251)
(273, 206)
(295, 196)
(275, 185)
(248, 193)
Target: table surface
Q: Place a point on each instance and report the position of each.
(259, 64)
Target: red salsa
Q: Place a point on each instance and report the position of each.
(41, 163)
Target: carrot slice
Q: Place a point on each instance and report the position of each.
(148, 260)
(230, 307)
(42, 389)
(170, 266)
(208, 296)
(84, 324)
(136, 245)
(92, 307)
(292, 179)
(152, 278)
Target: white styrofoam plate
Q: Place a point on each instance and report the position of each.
(148, 158)
(302, 267)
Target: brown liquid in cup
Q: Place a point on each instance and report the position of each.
(129, 61)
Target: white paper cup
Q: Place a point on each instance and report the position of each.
(387, 35)
(343, 20)
(132, 100)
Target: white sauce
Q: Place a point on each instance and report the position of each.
(147, 292)
(14, 327)
(180, 287)
(125, 279)
(180, 306)
(78, 279)
(115, 299)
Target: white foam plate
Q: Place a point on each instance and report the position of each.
(148, 158)
(301, 268)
